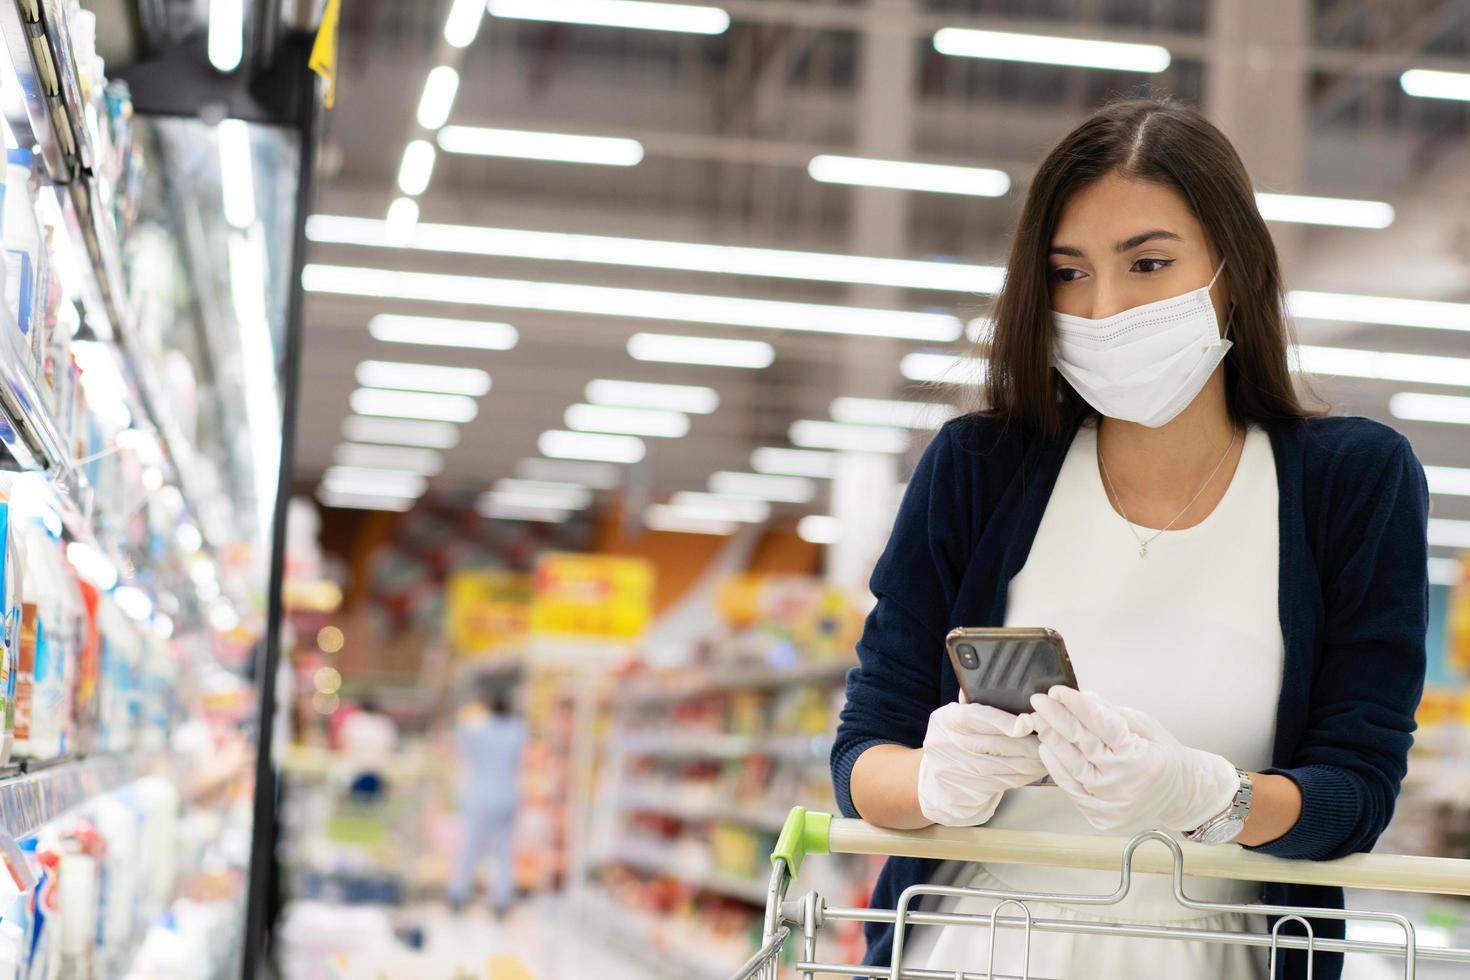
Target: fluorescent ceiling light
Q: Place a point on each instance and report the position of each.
(1041, 49)
(794, 462)
(1386, 310)
(417, 167)
(413, 405)
(1436, 84)
(632, 14)
(463, 22)
(1430, 408)
(400, 432)
(423, 377)
(438, 98)
(647, 253)
(374, 480)
(526, 501)
(403, 217)
(1449, 534)
(637, 303)
(692, 399)
(813, 434)
(819, 529)
(1445, 571)
(523, 144)
(541, 493)
(935, 178)
(236, 171)
(762, 486)
(712, 351)
(1448, 480)
(946, 369)
(664, 517)
(1384, 365)
(509, 510)
(1338, 212)
(432, 331)
(631, 421)
(716, 507)
(598, 476)
(880, 411)
(599, 448)
(423, 461)
(226, 39)
(363, 501)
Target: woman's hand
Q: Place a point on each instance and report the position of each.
(1123, 769)
(972, 754)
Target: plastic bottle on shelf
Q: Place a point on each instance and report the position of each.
(24, 256)
(81, 887)
(45, 908)
(11, 584)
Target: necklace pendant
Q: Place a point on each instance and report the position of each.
(1143, 551)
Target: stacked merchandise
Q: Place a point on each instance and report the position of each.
(86, 894)
(109, 639)
(703, 764)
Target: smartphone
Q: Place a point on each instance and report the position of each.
(1003, 666)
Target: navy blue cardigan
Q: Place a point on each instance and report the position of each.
(1353, 602)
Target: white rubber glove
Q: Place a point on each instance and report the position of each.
(972, 754)
(1123, 769)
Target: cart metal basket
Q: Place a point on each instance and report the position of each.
(808, 832)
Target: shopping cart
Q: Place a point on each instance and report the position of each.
(807, 832)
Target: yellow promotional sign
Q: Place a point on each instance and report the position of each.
(486, 611)
(592, 596)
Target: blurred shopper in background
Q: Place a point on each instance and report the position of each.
(491, 741)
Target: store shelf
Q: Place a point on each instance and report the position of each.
(681, 745)
(41, 111)
(661, 862)
(30, 801)
(763, 818)
(684, 685)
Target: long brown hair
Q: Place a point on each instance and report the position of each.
(1160, 140)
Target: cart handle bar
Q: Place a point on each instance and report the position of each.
(809, 832)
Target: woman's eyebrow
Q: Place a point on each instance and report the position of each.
(1124, 245)
(1147, 236)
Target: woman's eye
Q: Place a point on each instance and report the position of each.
(1152, 265)
(1066, 274)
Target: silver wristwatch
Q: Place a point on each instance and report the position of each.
(1226, 826)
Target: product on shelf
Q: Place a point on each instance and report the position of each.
(27, 271)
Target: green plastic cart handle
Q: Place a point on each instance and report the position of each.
(805, 832)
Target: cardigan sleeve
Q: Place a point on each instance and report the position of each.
(1354, 751)
(895, 687)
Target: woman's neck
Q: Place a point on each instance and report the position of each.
(1169, 463)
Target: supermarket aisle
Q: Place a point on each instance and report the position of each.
(538, 941)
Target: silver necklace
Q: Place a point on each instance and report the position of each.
(1142, 542)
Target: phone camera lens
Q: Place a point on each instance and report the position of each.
(969, 659)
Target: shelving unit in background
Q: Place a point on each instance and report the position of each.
(700, 768)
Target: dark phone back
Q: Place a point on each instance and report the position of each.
(1010, 671)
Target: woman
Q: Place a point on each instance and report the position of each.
(1241, 583)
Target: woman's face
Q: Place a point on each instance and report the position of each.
(1120, 243)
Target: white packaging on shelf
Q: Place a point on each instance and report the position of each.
(20, 235)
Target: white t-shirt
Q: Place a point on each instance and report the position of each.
(1190, 634)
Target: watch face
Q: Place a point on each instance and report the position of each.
(1222, 832)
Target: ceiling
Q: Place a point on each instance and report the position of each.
(1308, 90)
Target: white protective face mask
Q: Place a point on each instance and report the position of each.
(1146, 364)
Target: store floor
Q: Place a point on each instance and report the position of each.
(539, 940)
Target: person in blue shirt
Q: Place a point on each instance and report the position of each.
(1241, 578)
(491, 741)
